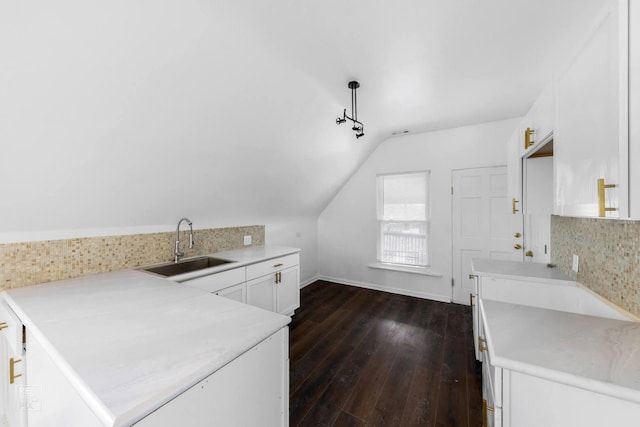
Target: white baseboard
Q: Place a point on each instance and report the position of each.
(308, 281)
(399, 291)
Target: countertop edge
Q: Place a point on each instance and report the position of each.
(138, 413)
(554, 375)
(486, 272)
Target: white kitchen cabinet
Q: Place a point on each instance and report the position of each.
(229, 284)
(261, 292)
(515, 399)
(537, 208)
(275, 284)
(288, 290)
(539, 122)
(491, 386)
(55, 401)
(634, 109)
(534, 401)
(12, 371)
(591, 138)
(514, 174)
(242, 393)
(475, 317)
(218, 281)
(237, 292)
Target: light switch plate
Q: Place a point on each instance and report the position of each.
(574, 265)
(247, 240)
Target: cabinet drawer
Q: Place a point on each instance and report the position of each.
(218, 281)
(10, 328)
(272, 265)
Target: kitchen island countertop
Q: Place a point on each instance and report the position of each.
(129, 341)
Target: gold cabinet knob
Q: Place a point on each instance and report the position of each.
(528, 253)
(517, 246)
(516, 235)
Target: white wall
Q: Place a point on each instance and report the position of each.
(299, 233)
(347, 227)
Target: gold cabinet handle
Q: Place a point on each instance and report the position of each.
(278, 265)
(528, 140)
(517, 246)
(481, 344)
(3, 325)
(471, 300)
(485, 421)
(278, 277)
(513, 206)
(12, 373)
(472, 276)
(529, 253)
(602, 209)
(516, 235)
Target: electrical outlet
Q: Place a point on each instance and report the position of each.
(247, 240)
(574, 265)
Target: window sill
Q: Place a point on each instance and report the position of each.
(425, 271)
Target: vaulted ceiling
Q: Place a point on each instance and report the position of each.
(134, 113)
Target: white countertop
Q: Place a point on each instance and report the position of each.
(239, 258)
(593, 353)
(130, 341)
(530, 271)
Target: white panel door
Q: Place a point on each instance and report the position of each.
(482, 227)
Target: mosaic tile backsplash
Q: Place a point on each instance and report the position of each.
(30, 263)
(609, 252)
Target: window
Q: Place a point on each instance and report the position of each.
(403, 218)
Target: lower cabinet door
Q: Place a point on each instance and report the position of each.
(260, 292)
(13, 405)
(236, 293)
(288, 291)
(252, 390)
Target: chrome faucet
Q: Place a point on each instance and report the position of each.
(177, 252)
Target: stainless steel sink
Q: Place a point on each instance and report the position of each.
(186, 266)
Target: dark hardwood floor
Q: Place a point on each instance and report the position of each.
(367, 358)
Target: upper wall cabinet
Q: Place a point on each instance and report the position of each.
(514, 173)
(537, 126)
(591, 151)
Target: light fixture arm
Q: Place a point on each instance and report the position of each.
(358, 127)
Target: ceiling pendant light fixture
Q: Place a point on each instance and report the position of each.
(358, 127)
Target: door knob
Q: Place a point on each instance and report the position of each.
(517, 246)
(517, 235)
